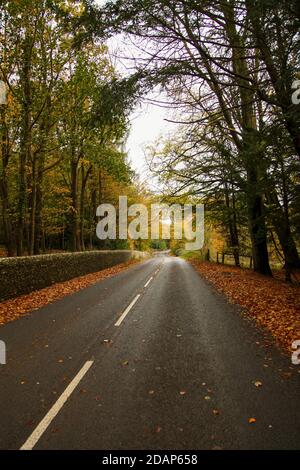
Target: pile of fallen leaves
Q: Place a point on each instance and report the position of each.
(12, 309)
(273, 304)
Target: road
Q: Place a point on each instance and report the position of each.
(140, 361)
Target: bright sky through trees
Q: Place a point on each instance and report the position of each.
(148, 122)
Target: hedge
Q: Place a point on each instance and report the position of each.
(25, 274)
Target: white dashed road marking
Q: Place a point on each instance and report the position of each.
(125, 313)
(46, 421)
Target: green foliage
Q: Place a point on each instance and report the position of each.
(63, 129)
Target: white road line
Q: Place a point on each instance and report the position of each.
(46, 421)
(118, 323)
(148, 282)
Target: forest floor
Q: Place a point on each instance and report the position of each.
(271, 302)
(12, 309)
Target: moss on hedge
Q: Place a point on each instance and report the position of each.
(23, 275)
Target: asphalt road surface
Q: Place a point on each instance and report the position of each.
(141, 361)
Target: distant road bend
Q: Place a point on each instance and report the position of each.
(152, 358)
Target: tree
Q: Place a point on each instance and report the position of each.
(210, 50)
(63, 127)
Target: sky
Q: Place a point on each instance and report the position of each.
(148, 122)
(148, 125)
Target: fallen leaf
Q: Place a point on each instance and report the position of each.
(251, 420)
(258, 383)
(286, 375)
(14, 308)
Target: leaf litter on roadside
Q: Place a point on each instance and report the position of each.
(12, 309)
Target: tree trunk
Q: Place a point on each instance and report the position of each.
(38, 212)
(32, 209)
(25, 141)
(93, 221)
(232, 225)
(258, 235)
(251, 152)
(8, 240)
(5, 151)
(75, 236)
(291, 113)
(84, 179)
(282, 228)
